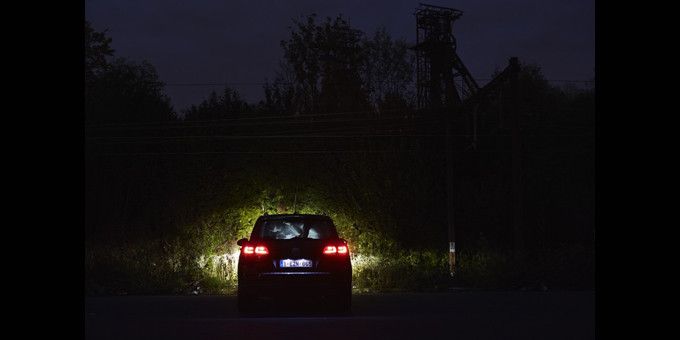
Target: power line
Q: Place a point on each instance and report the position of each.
(341, 83)
(308, 152)
(123, 139)
(302, 119)
(292, 117)
(256, 152)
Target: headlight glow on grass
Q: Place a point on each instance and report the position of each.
(221, 266)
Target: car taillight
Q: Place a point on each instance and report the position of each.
(335, 250)
(259, 250)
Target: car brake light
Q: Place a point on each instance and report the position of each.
(335, 250)
(259, 250)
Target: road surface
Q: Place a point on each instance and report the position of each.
(449, 315)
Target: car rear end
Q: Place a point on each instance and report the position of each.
(294, 257)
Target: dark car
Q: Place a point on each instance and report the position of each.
(294, 257)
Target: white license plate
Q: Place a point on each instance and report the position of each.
(297, 263)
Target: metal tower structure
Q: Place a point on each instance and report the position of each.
(443, 81)
(446, 88)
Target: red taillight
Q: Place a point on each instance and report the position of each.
(259, 250)
(335, 250)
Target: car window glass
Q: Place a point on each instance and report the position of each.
(290, 229)
(319, 230)
(282, 230)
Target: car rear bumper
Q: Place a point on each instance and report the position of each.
(277, 284)
(307, 274)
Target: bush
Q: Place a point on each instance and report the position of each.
(565, 267)
(407, 270)
(154, 269)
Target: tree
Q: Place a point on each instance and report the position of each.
(388, 72)
(537, 96)
(97, 49)
(229, 104)
(324, 61)
(127, 92)
(278, 98)
(121, 90)
(556, 127)
(342, 57)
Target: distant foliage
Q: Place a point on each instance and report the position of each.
(119, 90)
(97, 51)
(324, 60)
(331, 67)
(401, 271)
(388, 72)
(228, 105)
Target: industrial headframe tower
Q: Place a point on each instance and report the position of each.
(446, 87)
(443, 81)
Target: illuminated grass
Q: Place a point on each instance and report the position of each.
(202, 257)
(404, 271)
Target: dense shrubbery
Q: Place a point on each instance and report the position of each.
(406, 270)
(566, 267)
(391, 249)
(200, 251)
(170, 222)
(163, 269)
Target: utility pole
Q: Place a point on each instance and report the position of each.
(517, 206)
(450, 206)
(437, 66)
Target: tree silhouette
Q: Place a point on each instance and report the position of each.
(229, 104)
(323, 62)
(341, 57)
(388, 71)
(120, 91)
(97, 49)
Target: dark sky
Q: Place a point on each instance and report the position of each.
(237, 41)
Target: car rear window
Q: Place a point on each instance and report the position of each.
(285, 229)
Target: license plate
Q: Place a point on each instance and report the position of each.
(298, 263)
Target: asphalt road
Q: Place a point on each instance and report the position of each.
(451, 315)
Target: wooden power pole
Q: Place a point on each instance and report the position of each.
(517, 187)
(450, 207)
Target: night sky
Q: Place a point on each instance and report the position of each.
(238, 41)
